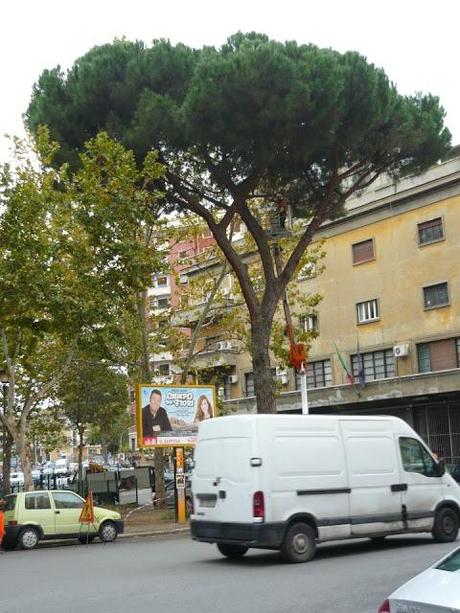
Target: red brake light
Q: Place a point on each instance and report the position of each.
(258, 505)
(12, 523)
(384, 607)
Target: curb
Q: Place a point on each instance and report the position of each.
(154, 533)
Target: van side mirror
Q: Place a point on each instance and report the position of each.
(441, 467)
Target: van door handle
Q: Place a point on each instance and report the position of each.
(399, 487)
(57, 512)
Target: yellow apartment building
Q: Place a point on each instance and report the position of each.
(390, 307)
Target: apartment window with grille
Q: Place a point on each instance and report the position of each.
(376, 364)
(367, 311)
(363, 251)
(249, 384)
(164, 370)
(162, 281)
(162, 303)
(430, 231)
(435, 296)
(309, 323)
(439, 355)
(319, 374)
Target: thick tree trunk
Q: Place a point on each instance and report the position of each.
(7, 448)
(23, 453)
(264, 383)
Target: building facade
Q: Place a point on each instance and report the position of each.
(390, 311)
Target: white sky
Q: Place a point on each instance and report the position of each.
(415, 41)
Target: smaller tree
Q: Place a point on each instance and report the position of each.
(93, 396)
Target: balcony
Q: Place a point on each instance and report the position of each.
(220, 353)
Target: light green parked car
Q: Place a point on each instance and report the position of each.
(54, 514)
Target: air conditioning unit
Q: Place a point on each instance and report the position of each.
(400, 351)
(233, 378)
(281, 372)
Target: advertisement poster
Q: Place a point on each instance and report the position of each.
(169, 415)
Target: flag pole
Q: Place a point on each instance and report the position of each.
(304, 389)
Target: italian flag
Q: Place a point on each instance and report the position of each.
(350, 376)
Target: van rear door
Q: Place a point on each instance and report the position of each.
(222, 480)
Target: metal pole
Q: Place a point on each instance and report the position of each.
(304, 392)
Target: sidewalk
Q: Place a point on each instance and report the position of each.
(145, 521)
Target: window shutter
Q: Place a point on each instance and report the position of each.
(443, 354)
(363, 252)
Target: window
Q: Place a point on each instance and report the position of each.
(226, 387)
(439, 355)
(363, 251)
(162, 281)
(163, 369)
(249, 384)
(416, 459)
(319, 374)
(367, 311)
(162, 303)
(37, 501)
(309, 323)
(430, 231)
(67, 500)
(435, 295)
(10, 502)
(376, 364)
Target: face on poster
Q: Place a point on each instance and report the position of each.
(169, 415)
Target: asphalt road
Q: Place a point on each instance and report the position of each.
(176, 575)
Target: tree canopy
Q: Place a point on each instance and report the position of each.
(245, 123)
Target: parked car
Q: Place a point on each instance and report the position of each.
(17, 478)
(54, 514)
(435, 589)
(170, 498)
(454, 470)
(36, 476)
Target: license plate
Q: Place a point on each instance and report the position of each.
(207, 501)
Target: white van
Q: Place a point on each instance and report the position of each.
(288, 482)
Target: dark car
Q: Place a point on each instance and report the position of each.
(170, 498)
(454, 470)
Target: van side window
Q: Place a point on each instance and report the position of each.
(415, 458)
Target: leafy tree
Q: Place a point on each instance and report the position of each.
(93, 395)
(71, 260)
(253, 120)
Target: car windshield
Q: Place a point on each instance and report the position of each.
(452, 564)
(10, 502)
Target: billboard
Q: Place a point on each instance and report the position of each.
(168, 415)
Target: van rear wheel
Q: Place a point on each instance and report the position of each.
(446, 526)
(232, 551)
(299, 544)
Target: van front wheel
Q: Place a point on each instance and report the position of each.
(232, 551)
(446, 525)
(299, 544)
